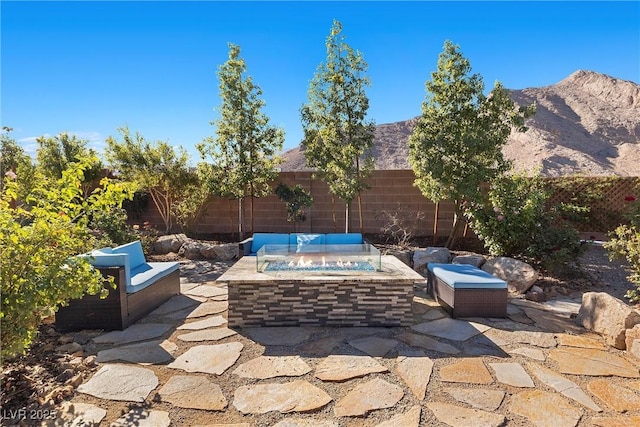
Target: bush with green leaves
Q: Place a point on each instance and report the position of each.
(296, 199)
(624, 243)
(41, 234)
(513, 220)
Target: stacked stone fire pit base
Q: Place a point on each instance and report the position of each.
(379, 298)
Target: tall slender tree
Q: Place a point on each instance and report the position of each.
(244, 150)
(337, 139)
(457, 142)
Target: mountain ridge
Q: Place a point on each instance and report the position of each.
(588, 123)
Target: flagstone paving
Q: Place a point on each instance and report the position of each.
(183, 366)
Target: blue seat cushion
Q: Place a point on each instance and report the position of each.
(148, 273)
(134, 250)
(344, 239)
(306, 242)
(464, 276)
(261, 239)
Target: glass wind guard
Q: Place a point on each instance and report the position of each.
(317, 258)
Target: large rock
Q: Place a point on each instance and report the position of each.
(607, 315)
(222, 252)
(190, 250)
(472, 259)
(170, 243)
(422, 257)
(519, 275)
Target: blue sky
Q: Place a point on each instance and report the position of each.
(89, 68)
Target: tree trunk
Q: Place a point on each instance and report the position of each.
(333, 213)
(455, 230)
(240, 231)
(360, 213)
(231, 218)
(346, 217)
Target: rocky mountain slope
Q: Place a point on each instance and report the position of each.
(588, 123)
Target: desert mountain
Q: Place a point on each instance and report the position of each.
(588, 123)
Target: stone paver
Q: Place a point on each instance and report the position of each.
(209, 308)
(207, 335)
(176, 303)
(286, 336)
(531, 353)
(618, 398)
(210, 322)
(210, 359)
(193, 393)
(76, 414)
(366, 397)
(206, 291)
(305, 422)
(427, 343)
(137, 332)
(434, 314)
(411, 418)
(537, 339)
(469, 370)
(544, 409)
(149, 352)
(620, 421)
(563, 385)
(451, 329)
(295, 396)
(321, 347)
(551, 322)
(457, 416)
(481, 398)
(273, 366)
(587, 361)
(373, 346)
(512, 374)
(580, 341)
(414, 367)
(121, 382)
(140, 417)
(343, 367)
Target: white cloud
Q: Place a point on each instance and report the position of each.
(95, 141)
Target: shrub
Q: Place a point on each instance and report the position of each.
(296, 199)
(513, 220)
(624, 243)
(401, 224)
(41, 234)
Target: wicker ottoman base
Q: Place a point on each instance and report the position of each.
(468, 302)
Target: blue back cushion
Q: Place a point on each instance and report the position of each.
(261, 239)
(344, 239)
(134, 250)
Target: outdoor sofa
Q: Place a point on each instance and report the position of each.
(252, 245)
(141, 286)
(466, 291)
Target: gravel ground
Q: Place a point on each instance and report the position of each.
(610, 275)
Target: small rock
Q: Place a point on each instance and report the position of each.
(65, 339)
(65, 375)
(532, 295)
(71, 347)
(471, 259)
(75, 381)
(90, 361)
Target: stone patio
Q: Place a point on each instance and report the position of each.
(183, 366)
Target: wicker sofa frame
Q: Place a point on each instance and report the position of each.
(120, 309)
(473, 302)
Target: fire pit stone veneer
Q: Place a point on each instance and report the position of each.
(326, 298)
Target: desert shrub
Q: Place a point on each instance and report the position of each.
(513, 220)
(400, 224)
(191, 207)
(624, 243)
(40, 236)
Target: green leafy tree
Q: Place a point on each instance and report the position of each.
(40, 236)
(56, 153)
(243, 152)
(296, 199)
(457, 142)
(12, 157)
(337, 138)
(158, 168)
(192, 207)
(624, 244)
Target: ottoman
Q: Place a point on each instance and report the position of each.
(466, 291)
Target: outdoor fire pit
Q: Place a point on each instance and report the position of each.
(347, 285)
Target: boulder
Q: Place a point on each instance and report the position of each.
(632, 335)
(169, 243)
(473, 259)
(609, 316)
(222, 252)
(422, 257)
(519, 275)
(536, 293)
(190, 250)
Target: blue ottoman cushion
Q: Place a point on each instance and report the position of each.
(464, 276)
